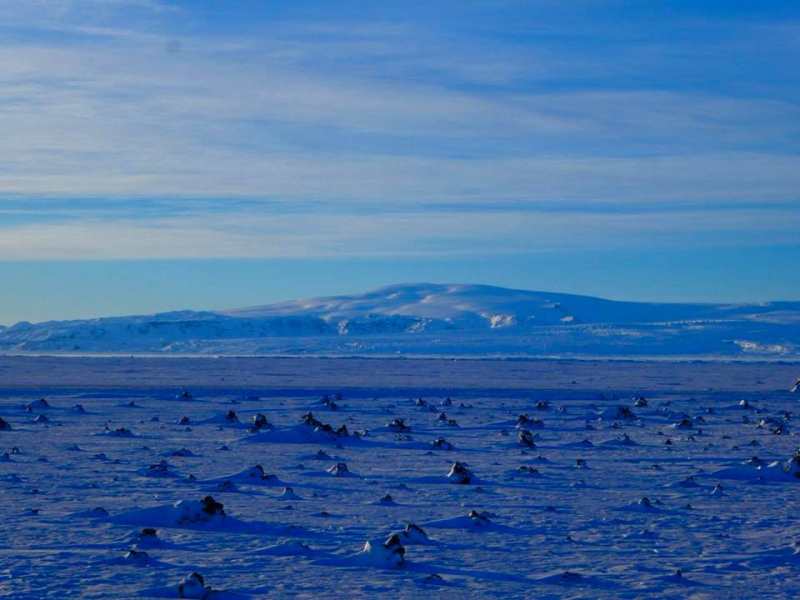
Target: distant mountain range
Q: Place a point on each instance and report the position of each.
(435, 319)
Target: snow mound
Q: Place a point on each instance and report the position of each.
(526, 471)
(460, 475)
(255, 475)
(160, 469)
(341, 470)
(192, 586)
(389, 554)
(309, 431)
(205, 513)
(138, 558)
(148, 539)
(207, 510)
(414, 535)
(624, 441)
(386, 500)
(119, 432)
(688, 483)
(753, 470)
(40, 404)
(97, 512)
(441, 444)
(618, 413)
(566, 577)
(290, 548)
(779, 556)
(473, 520)
(525, 422)
(525, 439)
(288, 494)
(229, 418)
(645, 505)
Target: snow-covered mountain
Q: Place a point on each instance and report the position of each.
(436, 319)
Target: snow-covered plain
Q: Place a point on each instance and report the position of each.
(436, 478)
(435, 320)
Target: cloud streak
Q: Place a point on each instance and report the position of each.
(368, 125)
(254, 234)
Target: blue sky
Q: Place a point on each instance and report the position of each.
(166, 154)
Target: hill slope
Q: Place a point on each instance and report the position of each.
(436, 319)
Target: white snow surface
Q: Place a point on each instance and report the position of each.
(603, 520)
(434, 320)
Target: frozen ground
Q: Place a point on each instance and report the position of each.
(559, 512)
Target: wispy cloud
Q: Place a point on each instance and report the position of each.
(367, 124)
(257, 234)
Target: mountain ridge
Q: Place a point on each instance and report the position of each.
(406, 291)
(447, 319)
